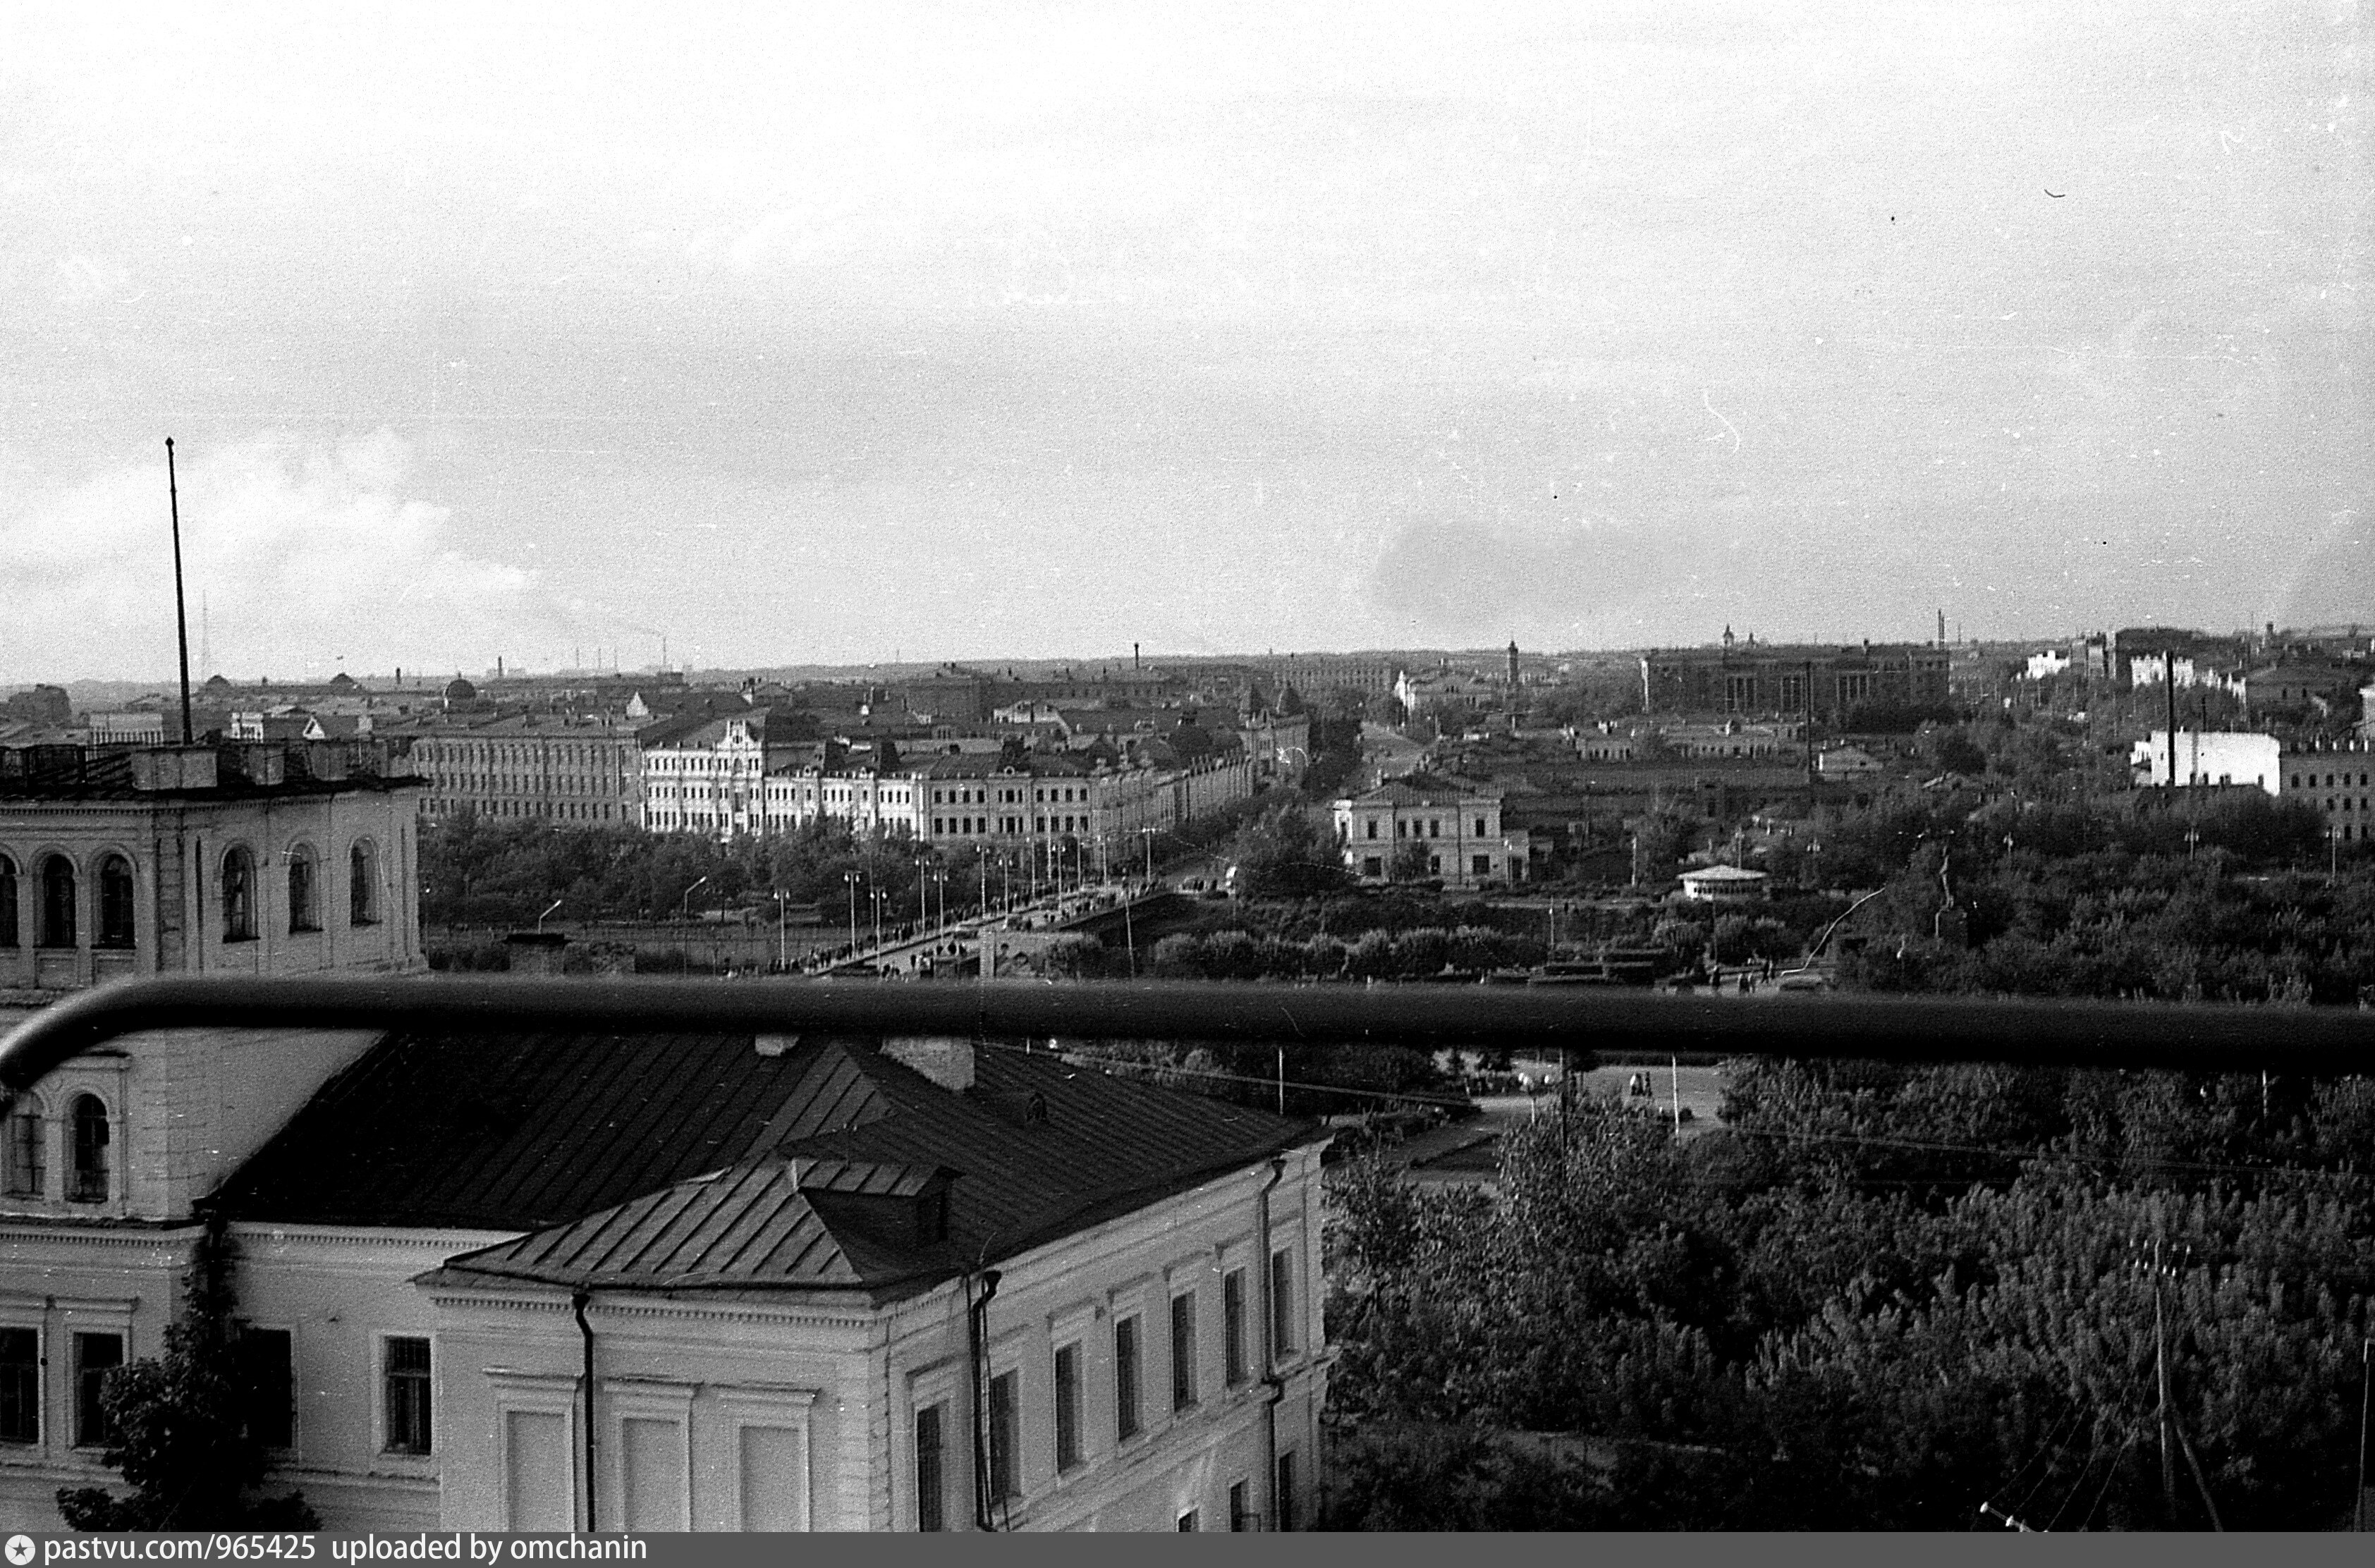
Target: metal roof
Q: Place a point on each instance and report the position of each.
(693, 1162)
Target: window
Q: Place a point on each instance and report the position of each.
(239, 896)
(1005, 1438)
(115, 901)
(1240, 1510)
(91, 1135)
(267, 1362)
(405, 1374)
(1125, 1418)
(932, 1468)
(1281, 1303)
(1481, 865)
(1479, 827)
(302, 914)
(1187, 1524)
(20, 1385)
(28, 1164)
(1435, 827)
(95, 1355)
(1232, 1327)
(1067, 1407)
(1284, 1496)
(57, 927)
(7, 902)
(1183, 1351)
(1373, 826)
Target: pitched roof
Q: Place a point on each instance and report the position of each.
(693, 1162)
(1424, 789)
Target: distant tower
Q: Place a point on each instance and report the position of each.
(1942, 628)
(1513, 663)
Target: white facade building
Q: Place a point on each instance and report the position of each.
(1456, 826)
(2209, 757)
(1108, 1287)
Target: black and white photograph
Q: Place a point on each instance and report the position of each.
(1018, 765)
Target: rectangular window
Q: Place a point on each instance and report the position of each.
(931, 1467)
(1005, 1438)
(95, 1355)
(20, 1385)
(28, 1174)
(267, 1360)
(1126, 1420)
(1187, 1524)
(1281, 1303)
(1284, 1497)
(405, 1363)
(1232, 1327)
(1240, 1511)
(1481, 865)
(1183, 1351)
(1067, 1407)
(1479, 827)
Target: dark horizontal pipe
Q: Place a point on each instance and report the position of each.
(1896, 1029)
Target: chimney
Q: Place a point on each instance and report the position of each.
(946, 1060)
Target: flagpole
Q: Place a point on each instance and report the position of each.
(181, 610)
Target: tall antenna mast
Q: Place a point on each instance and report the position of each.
(181, 609)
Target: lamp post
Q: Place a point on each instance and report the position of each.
(548, 910)
(877, 895)
(782, 933)
(923, 908)
(684, 904)
(850, 880)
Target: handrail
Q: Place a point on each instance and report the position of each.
(1912, 1030)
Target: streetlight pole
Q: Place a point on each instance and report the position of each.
(783, 934)
(850, 880)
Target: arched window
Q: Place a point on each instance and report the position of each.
(7, 902)
(362, 884)
(86, 1182)
(26, 1174)
(57, 930)
(303, 913)
(115, 902)
(239, 896)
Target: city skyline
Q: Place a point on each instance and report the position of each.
(897, 330)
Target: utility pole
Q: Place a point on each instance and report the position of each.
(2160, 1372)
(2168, 674)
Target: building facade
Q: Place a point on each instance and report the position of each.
(557, 768)
(1457, 826)
(1753, 678)
(2209, 757)
(984, 1289)
(208, 859)
(2339, 782)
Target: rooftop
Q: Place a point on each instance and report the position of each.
(695, 1160)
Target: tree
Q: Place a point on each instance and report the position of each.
(1286, 853)
(182, 1435)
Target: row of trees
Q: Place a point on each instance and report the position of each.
(1879, 1299)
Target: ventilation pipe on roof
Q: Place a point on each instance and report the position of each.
(1273, 1386)
(977, 1345)
(577, 1304)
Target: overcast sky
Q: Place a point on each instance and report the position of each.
(797, 334)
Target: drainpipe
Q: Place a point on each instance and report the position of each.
(1274, 1387)
(978, 1339)
(586, 1331)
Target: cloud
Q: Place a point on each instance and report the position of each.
(306, 550)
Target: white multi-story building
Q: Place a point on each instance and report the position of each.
(2209, 757)
(1456, 825)
(711, 782)
(845, 1272)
